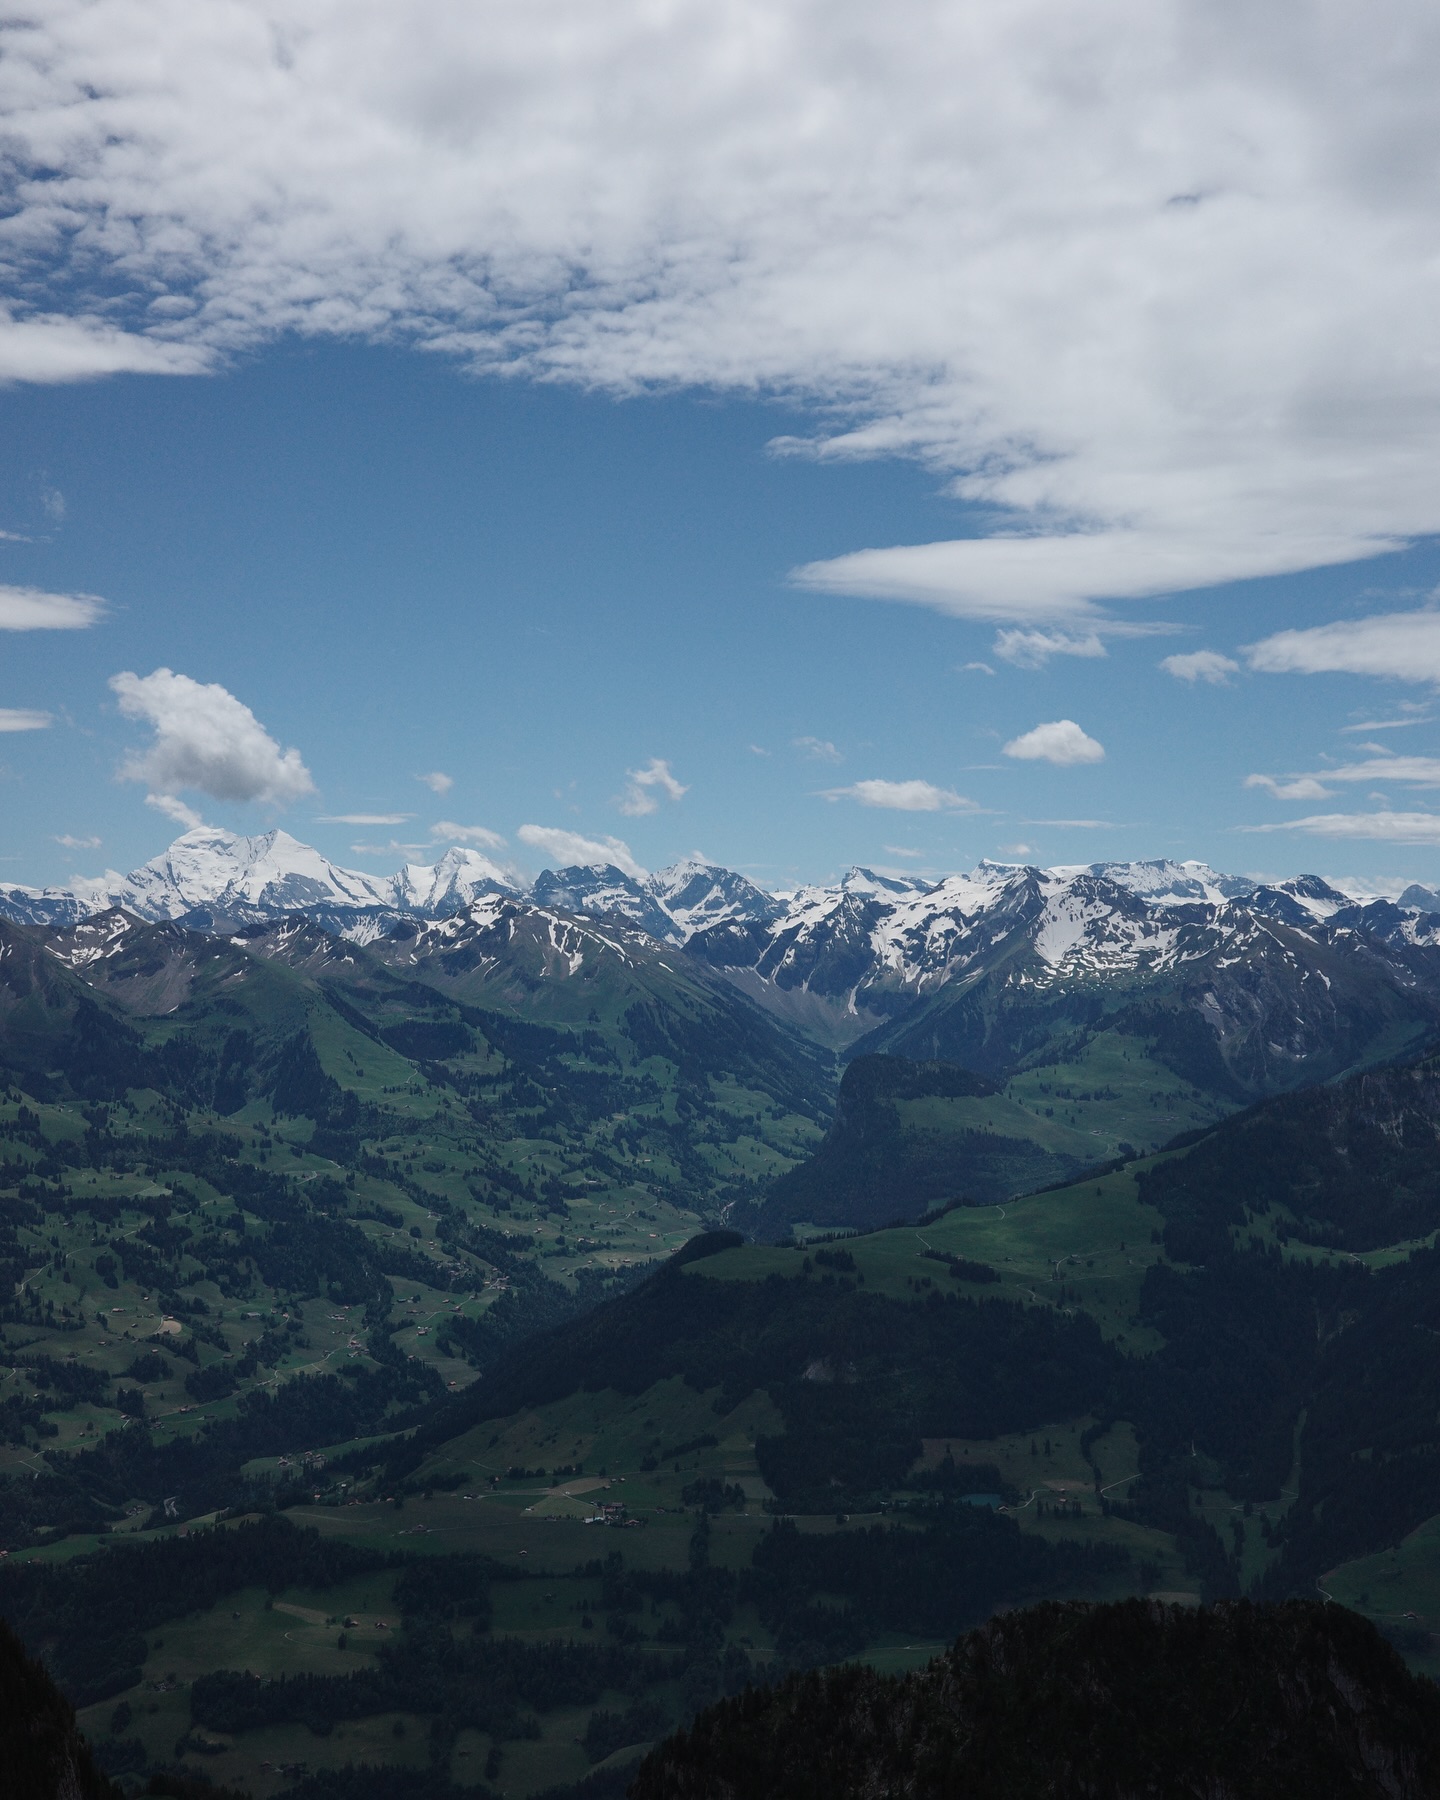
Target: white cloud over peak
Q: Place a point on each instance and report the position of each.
(448, 831)
(645, 786)
(31, 609)
(23, 718)
(566, 848)
(363, 818)
(1061, 741)
(1400, 646)
(206, 740)
(176, 809)
(1157, 282)
(1200, 665)
(903, 796)
(1382, 826)
(437, 781)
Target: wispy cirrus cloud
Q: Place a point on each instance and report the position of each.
(1397, 646)
(1200, 665)
(645, 787)
(1033, 649)
(1383, 826)
(32, 609)
(363, 818)
(478, 836)
(903, 796)
(818, 749)
(24, 718)
(1408, 771)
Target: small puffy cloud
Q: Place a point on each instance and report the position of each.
(1033, 649)
(1017, 849)
(175, 809)
(757, 750)
(451, 833)
(1298, 787)
(23, 718)
(207, 740)
(31, 609)
(565, 848)
(1061, 741)
(1400, 646)
(437, 782)
(817, 749)
(1200, 665)
(976, 668)
(1383, 826)
(644, 788)
(903, 796)
(363, 818)
(78, 843)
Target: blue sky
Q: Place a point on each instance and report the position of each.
(572, 513)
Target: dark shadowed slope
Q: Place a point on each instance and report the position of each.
(1233, 1703)
(42, 1754)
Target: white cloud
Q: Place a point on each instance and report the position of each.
(451, 833)
(1061, 742)
(53, 348)
(363, 818)
(1383, 826)
(437, 782)
(817, 749)
(1033, 649)
(903, 796)
(1411, 771)
(392, 848)
(78, 843)
(1200, 665)
(1420, 715)
(205, 739)
(1402, 646)
(1158, 283)
(758, 750)
(1075, 824)
(644, 787)
(565, 848)
(976, 668)
(23, 718)
(30, 609)
(1297, 787)
(175, 809)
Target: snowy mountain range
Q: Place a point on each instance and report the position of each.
(924, 968)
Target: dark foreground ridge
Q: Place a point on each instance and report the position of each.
(42, 1754)
(1232, 1702)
